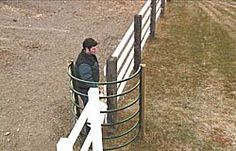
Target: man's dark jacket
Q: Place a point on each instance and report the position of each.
(86, 68)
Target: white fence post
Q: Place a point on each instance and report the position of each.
(92, 113)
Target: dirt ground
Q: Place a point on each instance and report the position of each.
(191, 87)
(37, 39)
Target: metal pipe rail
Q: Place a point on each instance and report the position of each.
(133, 129)
(126, 58)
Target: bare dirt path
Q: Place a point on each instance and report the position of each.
(37, 39)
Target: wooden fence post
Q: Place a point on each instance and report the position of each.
(137, 41)
(111, 75)
(163, 7)
(153, 18)
(142, 102)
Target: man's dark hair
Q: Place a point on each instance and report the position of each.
(89, 43)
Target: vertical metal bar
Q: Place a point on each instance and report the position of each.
(76, 97)
(142, 102)
(153, 18)
(137, 41)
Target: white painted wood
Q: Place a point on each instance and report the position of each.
(158, 7)
(123, 64)
(125, 53)
(127, 74)
(96, 119)
(126, 65)
(87, 142)
(123, 41)
(145, 7)
(145, 28)
(128, 33)
(145, 39)
(158, 14)
(146, 17)
(64, 144)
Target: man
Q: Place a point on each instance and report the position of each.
(87, 68)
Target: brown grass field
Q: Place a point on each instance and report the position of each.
(191, 79)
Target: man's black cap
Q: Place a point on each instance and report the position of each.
(89, 43)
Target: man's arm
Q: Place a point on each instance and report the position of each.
(86, 74)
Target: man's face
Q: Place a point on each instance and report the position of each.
(94, 50)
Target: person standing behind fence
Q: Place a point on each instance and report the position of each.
(86, 68)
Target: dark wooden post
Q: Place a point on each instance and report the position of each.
(111, 75)
(142, 102)
(153, 18)
(163, 7)
(137, 41)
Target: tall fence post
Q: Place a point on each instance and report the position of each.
(137, 41)
(111, 75)
(163, 7)
(153, 18)
(142, 102)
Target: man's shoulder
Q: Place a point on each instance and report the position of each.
(81, 59)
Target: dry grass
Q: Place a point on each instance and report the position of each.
(191, 84)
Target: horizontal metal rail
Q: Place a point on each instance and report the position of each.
(125, 62)
(110, 111)
(109, 96)
(124, 133)
(123, 145)
(102, 83)
(122, 121)
(122, 108)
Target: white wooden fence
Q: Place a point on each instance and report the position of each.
(125, 63)
(91, 113)
(125, 49)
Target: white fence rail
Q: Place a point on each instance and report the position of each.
(125, 49)
(125, 63)
(91, 113)
(158, 10)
